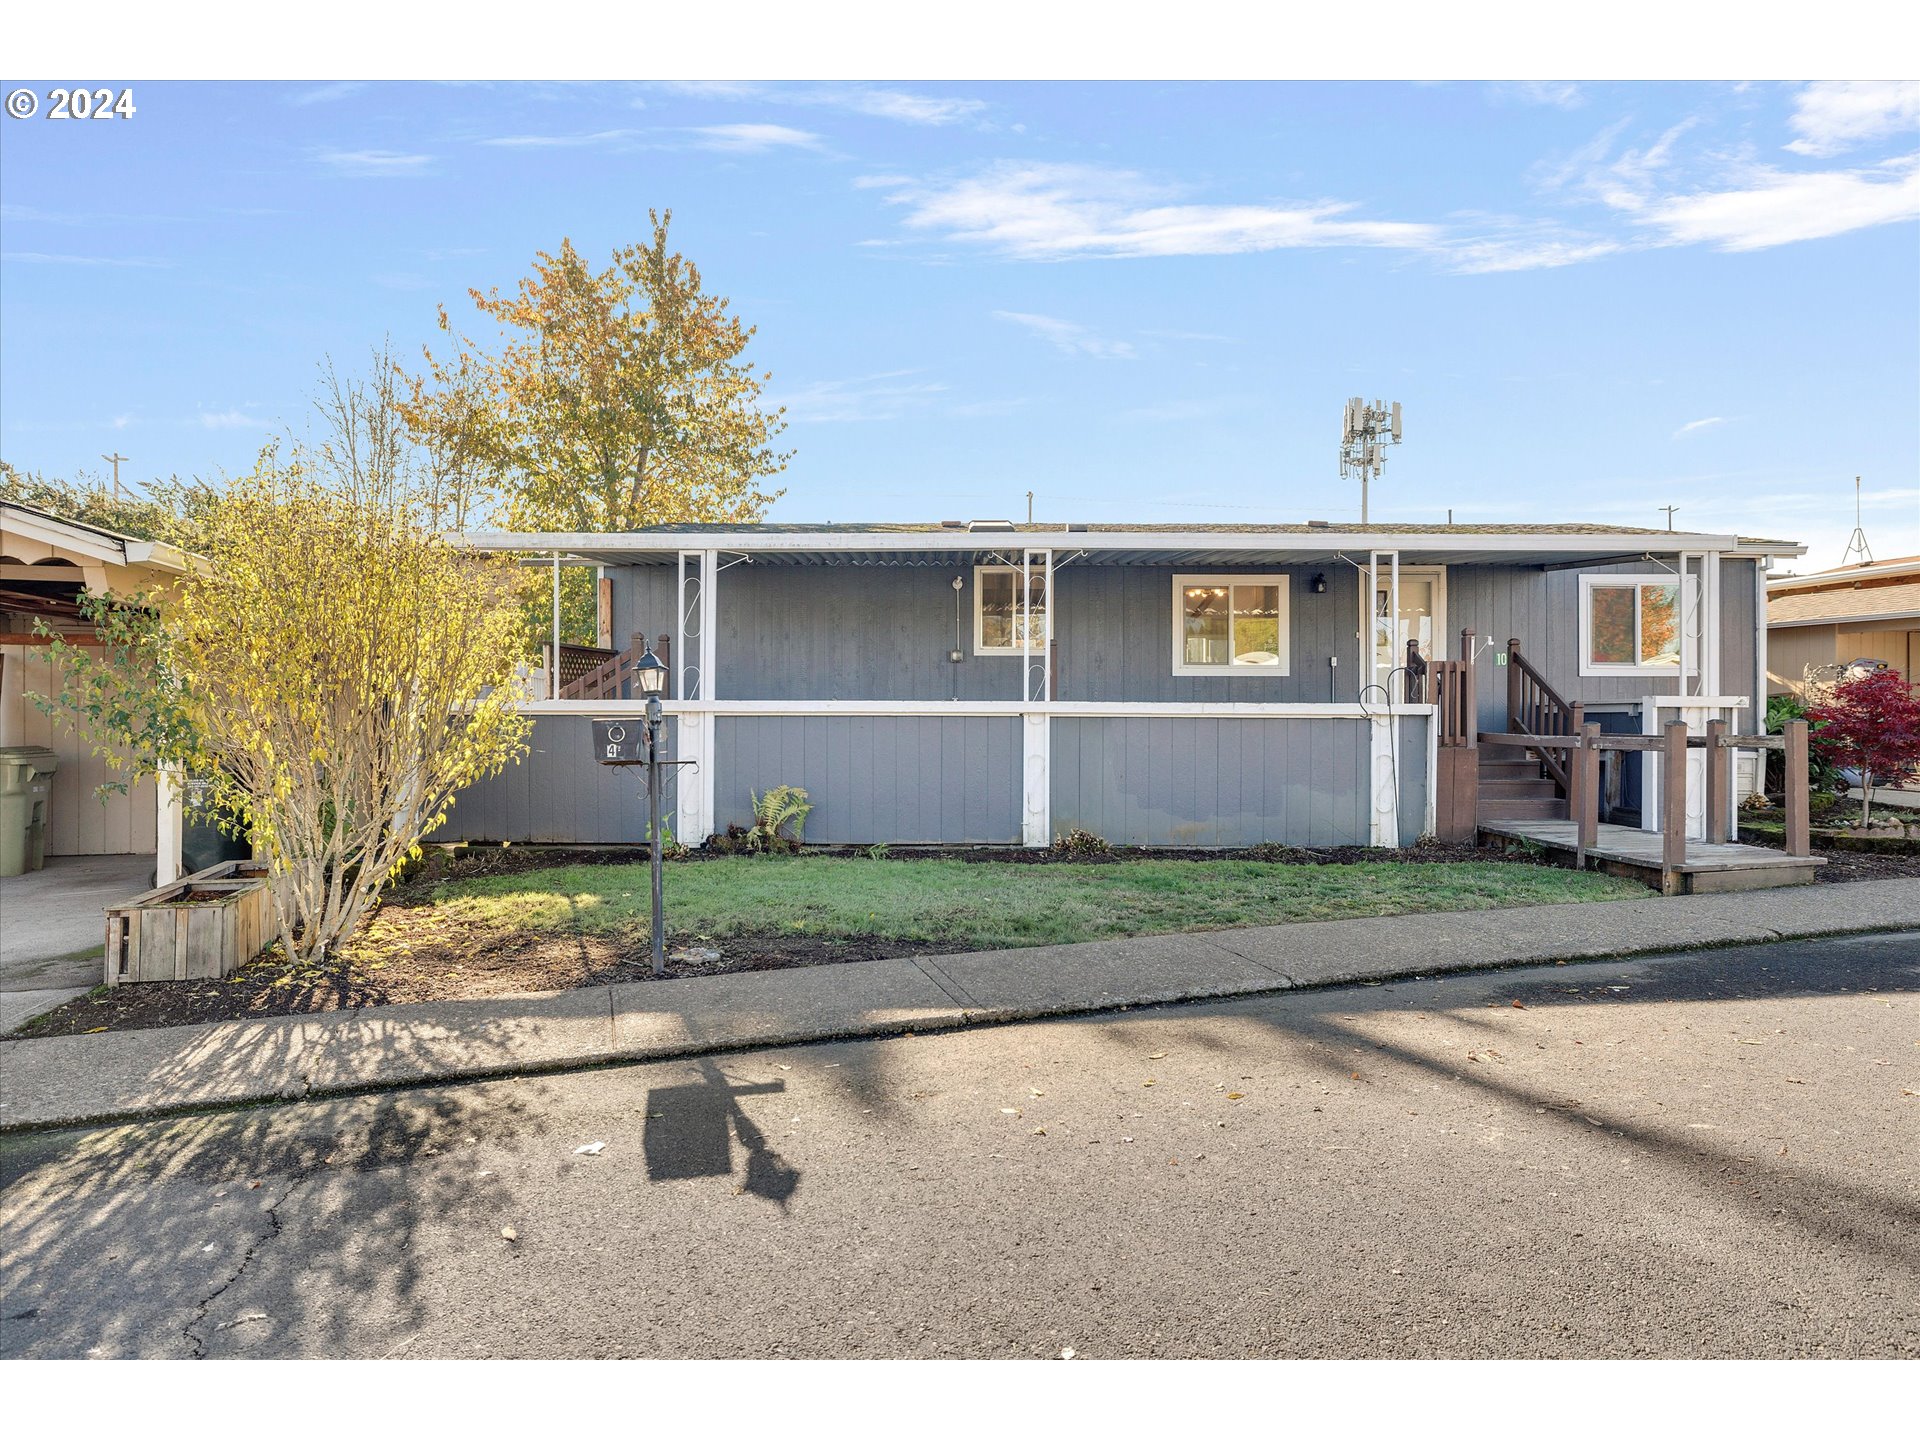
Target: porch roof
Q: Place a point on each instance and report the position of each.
(950, 543)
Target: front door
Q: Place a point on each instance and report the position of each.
(1422, 618)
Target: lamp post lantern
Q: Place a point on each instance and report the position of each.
(614, 745)
(651, 675)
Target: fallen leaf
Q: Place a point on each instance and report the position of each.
(1039, 1129)
(1753, 1042)
(1518, 1006)
(1008, 1110)
(1354, 1076)
(253, 1185)
(508, 1233)
(95, 1030)
(592, 1147)
(1035, 1093)
(1145, 1083)
(1795, 1080)
(1158, 1055)
(782, 1067)
(1067, 1354)
(1235, 1095)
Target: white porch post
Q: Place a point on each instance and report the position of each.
(169, 837)
(1036, 784)
(693, 728)
(553, 680)
(1384, 810)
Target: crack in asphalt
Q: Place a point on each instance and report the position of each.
(272, 1232)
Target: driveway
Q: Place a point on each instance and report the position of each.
(52, 929)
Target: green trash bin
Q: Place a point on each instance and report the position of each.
(26, 793)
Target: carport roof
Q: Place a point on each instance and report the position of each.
(958, 542)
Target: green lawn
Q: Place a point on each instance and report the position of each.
(991, 906)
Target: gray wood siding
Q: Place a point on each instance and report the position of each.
(1410, 761)
(558, 794)
(1212, 782)
(792, 632)
(884, 632)
(873, 779)
(1737, 639)
(1542, 609)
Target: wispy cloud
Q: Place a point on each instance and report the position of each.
(121, 422)
(1561, 94)
(589, 138)
(1036, 211)
(1834, 115)
(880, 102)
(1067, 337)
(1692, 425)
(1775, 207)
(375, 164)
(43, 257)
(1499, 244)
(752, 139)
(229, 420)
(323, 94)
(884, 396)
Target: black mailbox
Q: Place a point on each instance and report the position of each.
(620, 742)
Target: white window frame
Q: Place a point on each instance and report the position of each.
(1689, 593)
(980, 646)
(1282, 578)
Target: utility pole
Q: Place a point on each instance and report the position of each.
(1029, 507)
(1669, 509)
(114, 460)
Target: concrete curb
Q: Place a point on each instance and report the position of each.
(66, 1081)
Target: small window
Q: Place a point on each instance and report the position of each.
(1230, 624)
(996, 609)
(1632, 624)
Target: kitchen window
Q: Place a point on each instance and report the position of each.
(1633, 624)
(996, 610)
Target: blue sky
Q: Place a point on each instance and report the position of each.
(1140, 301)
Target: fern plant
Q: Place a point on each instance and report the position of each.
(781, 807)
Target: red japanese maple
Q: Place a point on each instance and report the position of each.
(1872, 724)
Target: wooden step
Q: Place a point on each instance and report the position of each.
(1530, 788)
(1508, 769)
(1538, 808)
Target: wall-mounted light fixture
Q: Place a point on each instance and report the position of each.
(1318, 584)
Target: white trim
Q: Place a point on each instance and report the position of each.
(1063, 709)
(752, 541)
(980, 647)
(1036, 783)
(1383, 788)
(1282, 580)
(1689, 586)
(169, 827)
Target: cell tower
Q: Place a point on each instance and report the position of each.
(1856, 542)
(1365, 432)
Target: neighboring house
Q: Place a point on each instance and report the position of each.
(1185, 685)
(1830, 618)
(45, 564)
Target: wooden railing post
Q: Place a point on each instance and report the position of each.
(1673, 805)
(1576, 717)
(1798, 841)
(1516, 704)
(1719, 781)
(1586, 774)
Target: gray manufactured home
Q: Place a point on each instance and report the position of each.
(989, 683)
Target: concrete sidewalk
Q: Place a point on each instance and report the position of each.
(69, 1080)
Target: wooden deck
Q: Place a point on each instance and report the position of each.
(1622, 850)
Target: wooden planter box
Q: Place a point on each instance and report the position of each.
(165, 935)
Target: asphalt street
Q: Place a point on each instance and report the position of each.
(1709, 1154)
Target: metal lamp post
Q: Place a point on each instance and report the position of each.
(651, 676)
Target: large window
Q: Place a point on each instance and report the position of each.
(996, 610)
(1229, 624)
(1632, 624)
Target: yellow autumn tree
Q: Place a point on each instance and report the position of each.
(608, 399)
(334, 668)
